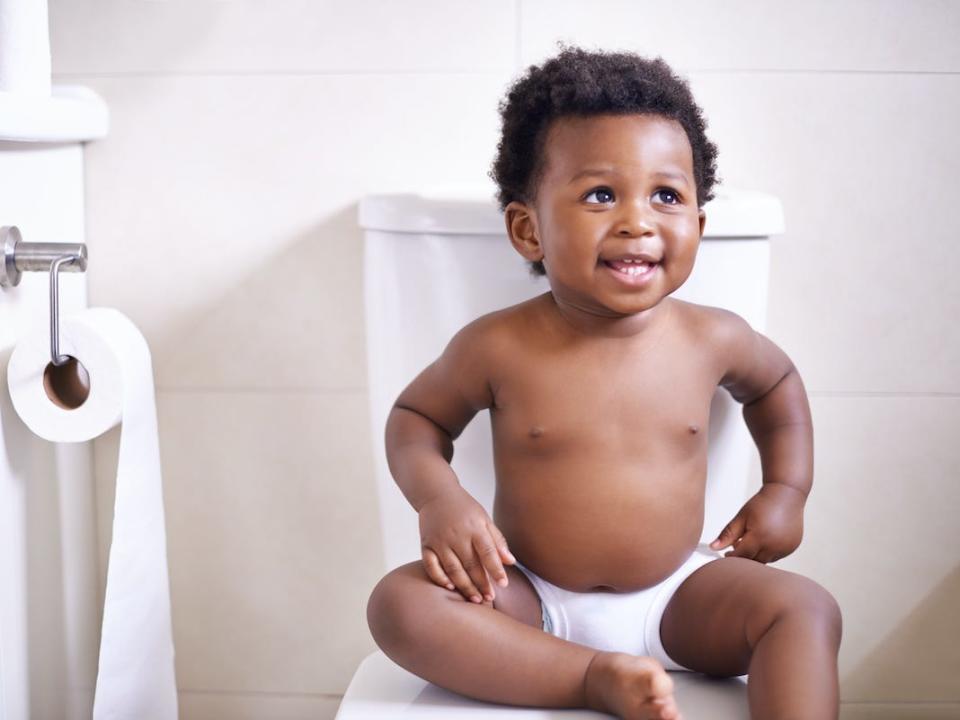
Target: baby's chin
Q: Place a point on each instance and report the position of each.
(596, 296)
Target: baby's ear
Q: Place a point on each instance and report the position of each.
(703, 221)
(522, 228)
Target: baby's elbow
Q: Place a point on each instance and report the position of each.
(780, 380)
(407, 425)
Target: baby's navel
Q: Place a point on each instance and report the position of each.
(694, 429)
(536, 431)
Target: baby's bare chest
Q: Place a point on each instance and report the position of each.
(646, 405)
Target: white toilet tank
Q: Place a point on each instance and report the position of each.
(432, 265)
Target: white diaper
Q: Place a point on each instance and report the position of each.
(616, 622)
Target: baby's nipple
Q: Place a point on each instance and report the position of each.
(536, 431)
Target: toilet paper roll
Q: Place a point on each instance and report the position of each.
(136, 673)
(24, 48)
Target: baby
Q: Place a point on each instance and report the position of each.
(588, 583)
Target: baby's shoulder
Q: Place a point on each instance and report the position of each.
(494, 331)
(717, 327)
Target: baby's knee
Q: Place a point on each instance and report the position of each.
(396, 605)
(800, 598)
(817, 602)
(828, 611)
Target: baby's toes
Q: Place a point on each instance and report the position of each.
(630, 686)
(657, 697)
(661, 684)
(662, 709)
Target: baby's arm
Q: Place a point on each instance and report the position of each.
(761, 376)
(460, 543)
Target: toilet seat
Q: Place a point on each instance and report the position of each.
(381, 690)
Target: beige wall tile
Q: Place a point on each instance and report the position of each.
(753, 34)
(862, 293)
(881, 534)
(272, 534)
(211, 36)
(221, 211)
(899, 711)
(257, 706)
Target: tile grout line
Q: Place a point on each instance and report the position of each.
(492, 71)
(262, 693)
(881, 393)
(947, 703)
(311, 390)
(518, 37)
(269, 73)
(172, 390)
(821, 71)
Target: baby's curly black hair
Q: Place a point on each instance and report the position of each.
(582, 83)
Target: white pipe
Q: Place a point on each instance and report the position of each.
(24, 48)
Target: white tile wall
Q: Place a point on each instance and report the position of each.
(878, 534)
(256, 706)
(899, 711)
(221, 219)
(281, 37)
(272, 535)
(753, 36)
(253, 179)
(866, 167)
(273, 521)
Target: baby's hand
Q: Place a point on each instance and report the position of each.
(462, 547)
(768, 527)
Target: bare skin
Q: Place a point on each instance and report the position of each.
(599, 394)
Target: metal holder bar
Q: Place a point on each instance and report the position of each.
(20, 257)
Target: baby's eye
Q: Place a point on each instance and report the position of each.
(600, 196)
(668, 196)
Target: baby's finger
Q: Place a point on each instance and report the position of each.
(431, 563)
(476, 571)
(729, 535)
(490, 559)
(746, 547)
(454, 569)
(501, 543)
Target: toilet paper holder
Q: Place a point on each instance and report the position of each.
(19, 257)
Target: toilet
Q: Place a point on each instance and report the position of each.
(434, 263)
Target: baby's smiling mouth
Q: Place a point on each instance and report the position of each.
(631, 266)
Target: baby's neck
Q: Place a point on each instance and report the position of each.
(585, 321)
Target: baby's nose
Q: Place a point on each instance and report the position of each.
(634, 220)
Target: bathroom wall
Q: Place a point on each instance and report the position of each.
(221, 218)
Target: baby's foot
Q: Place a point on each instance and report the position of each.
(630, 687)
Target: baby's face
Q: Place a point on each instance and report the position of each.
(616, 189)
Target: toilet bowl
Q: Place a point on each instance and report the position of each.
(431, 266)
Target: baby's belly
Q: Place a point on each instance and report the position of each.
(601, 527)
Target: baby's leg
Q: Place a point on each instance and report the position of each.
(734, 616)
(497, 651)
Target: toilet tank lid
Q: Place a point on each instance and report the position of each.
(733, 213)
